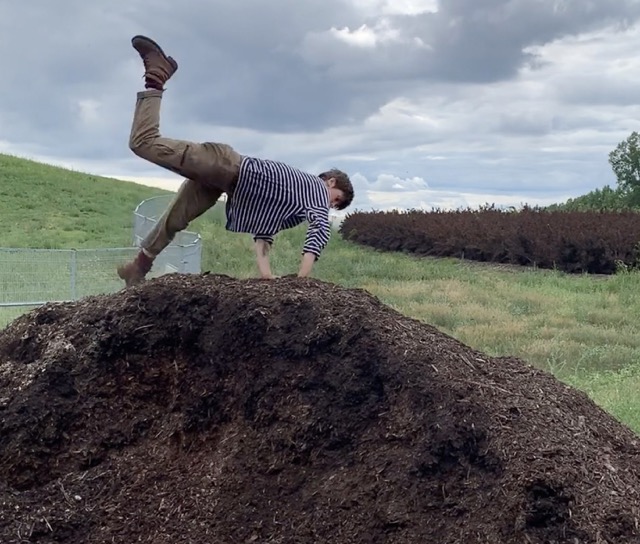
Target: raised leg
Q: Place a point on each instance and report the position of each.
(191, 201)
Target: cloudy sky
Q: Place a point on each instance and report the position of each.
(425, 103)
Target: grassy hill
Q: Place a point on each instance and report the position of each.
(583, 329)
(46, 206)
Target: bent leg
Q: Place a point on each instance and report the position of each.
(216, 165)
(191, 201)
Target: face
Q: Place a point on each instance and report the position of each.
(336, 196)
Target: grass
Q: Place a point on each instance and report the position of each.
(48, 207)
(580, 328)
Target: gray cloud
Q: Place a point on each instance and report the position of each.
(269, 66)
(484, 40)
(308, 83)
(595, 91)
(56, 66)
(536, 123)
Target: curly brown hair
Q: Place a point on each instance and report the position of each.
(343, 183)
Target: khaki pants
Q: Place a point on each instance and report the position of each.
(210, 169)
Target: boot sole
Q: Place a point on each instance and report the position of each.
(139, 40)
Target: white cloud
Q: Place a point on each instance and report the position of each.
(89, 111)
(444, 200)
(365, 36)
(397, 7)
(391, 193)
(389, 182)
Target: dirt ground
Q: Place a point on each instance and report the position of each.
(206, 409)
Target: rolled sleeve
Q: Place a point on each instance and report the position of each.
(318, 233)
(266, 237)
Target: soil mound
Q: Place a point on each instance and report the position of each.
(206, 409)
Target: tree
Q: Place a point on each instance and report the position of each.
(625, 161)
(605, 199)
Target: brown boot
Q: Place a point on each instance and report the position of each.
(134, 272)
(158, 66)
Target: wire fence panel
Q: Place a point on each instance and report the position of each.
(30, 277)
(33, 276)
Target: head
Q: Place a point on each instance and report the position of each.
(340, 188)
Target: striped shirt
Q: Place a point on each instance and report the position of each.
(271, 196)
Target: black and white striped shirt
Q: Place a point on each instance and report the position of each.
(271, 196)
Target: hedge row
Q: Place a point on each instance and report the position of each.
(573, 241)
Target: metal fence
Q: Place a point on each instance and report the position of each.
(32, 277)
(29, 277)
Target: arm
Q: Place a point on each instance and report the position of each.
(318, 235)
(262, 246)
(306, 265)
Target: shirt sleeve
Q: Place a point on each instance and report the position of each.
(266, 237)
(318, 232)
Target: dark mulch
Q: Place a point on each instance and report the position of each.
(208, 409)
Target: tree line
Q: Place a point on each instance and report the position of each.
(625, 163)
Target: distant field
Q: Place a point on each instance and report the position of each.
(582, 329)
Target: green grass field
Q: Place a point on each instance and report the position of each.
(580, 328)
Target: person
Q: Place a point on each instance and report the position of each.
(263, 196)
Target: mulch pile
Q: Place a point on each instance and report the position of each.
(207, 409)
